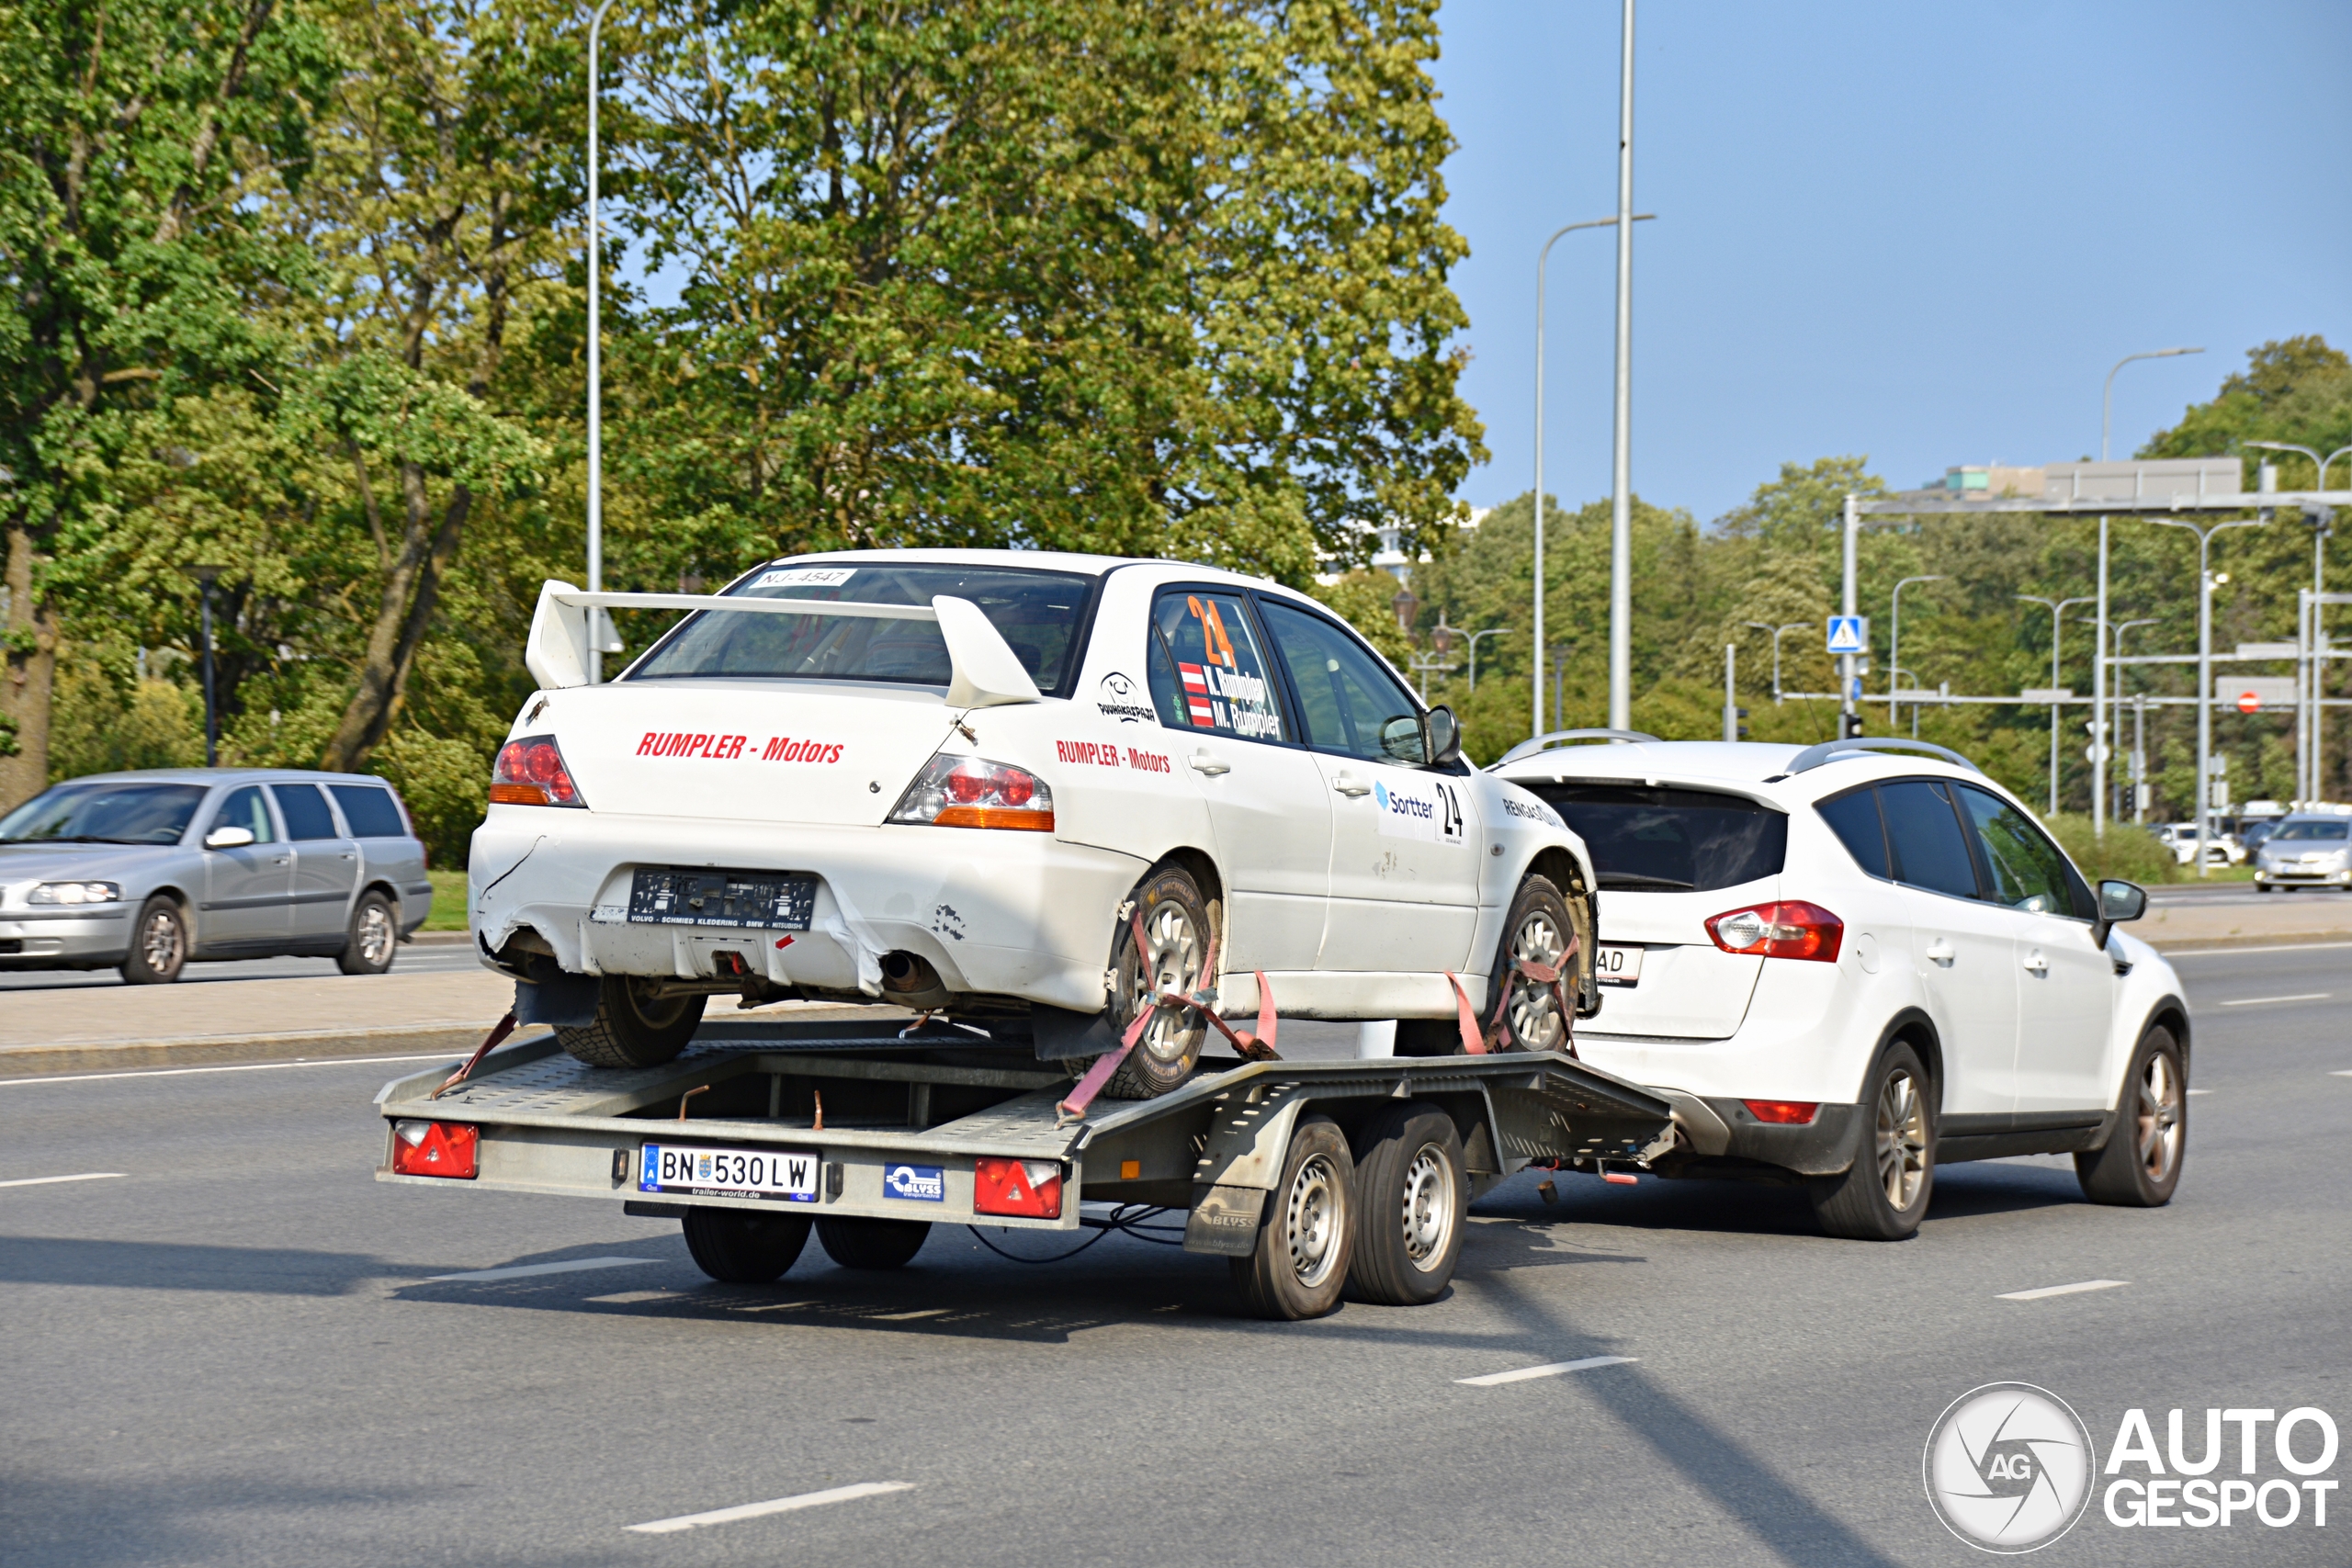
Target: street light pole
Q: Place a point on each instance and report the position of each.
(2205, 532)
(1894, 644)
(1849, 714)
(1620, 499)
(2057, 608)
(1776, 632)
(2307, 785)
(2099, 748)
(2140, 765)
(1543, 256)
(1490, 631)
(205, 577)
(595, 367)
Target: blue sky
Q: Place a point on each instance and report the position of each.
(1922, 232)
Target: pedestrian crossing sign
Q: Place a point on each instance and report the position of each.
(1849, 634)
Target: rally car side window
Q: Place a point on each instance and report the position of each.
(1347, 702)
(1205, 669)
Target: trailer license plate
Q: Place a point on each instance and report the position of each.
(785, 1176)
(1618, 965)
(692, 895)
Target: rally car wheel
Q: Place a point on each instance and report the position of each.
(1539, 932)
(1175, 920)
(632, 1028)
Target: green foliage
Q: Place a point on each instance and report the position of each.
(444, 784)
(102, 725)
(1366, 600)
(2127, 850)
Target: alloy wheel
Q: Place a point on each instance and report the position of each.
(2159, 1118)
(160, 941)
(1902, 1141)
(1534, 1008)
(1170, 961)
(375, 933)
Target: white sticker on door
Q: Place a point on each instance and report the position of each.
(1431, 813)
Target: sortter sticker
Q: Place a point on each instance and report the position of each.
(1433, 816)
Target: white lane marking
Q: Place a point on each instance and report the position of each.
(2341, 1073)
(2200, 1091)
(910, 1317)
(2235, 952)
(47, 1180)
(774, 1506)
(629, 1298)
(1549, 1370)
(243, 1067)
(525, 1270)
(2257, 1001)
(2061, 1289)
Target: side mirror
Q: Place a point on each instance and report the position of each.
(228, 838)
(1406, 739)
(1441, 737)
(2121, 901)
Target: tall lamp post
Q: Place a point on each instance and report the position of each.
(2100, 747)
(2307, 785)
(2058, 608)
(205, 577)
(1621, 487)
(2205, 532)
(1895, 643)
(2139, 768)
(1775, 633)
(595, 365)
(1472, 642)
(1543, 256)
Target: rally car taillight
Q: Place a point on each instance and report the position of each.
(968, 792)
(530, 772)
(436, 1148)
(1030, 1188)
(1789, 928)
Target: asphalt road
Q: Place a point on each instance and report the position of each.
(416, 958)
(235, 1352)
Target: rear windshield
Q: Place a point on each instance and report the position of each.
(104, 814)
(2300, 833)
(1037, 613)
(1670, 841)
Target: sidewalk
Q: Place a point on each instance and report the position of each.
(2281, 918)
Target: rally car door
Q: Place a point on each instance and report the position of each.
(1405, 843)
(1267, 803)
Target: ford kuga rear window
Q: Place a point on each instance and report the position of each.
(1671, 840)
(1037, 613)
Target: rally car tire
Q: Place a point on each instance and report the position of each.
(631, 1029)
(739, 1248)
(1177, 930)
(1540, 928)
(872, 1244)
(1306, 1234)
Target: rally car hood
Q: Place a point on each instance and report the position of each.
(801, 751)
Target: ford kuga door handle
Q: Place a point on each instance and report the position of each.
(1350, 786)
(1940, 951)
(2035, 962)
(1207, 763)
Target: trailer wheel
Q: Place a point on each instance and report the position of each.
(872, 1244)
(1176, 942)
(737, 1248)
(1411, 1194)
(633, 1029)
(1306, 1234)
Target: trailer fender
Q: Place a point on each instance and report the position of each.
(1243, 1161)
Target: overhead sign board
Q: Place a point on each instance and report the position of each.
(1849, 634)
(2256, 693)
(2047, 694)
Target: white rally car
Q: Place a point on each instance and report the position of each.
(1032, 791)
(1847, 962)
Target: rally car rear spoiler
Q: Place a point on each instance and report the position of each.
(984, 670)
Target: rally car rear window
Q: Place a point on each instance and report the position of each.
(1648, 839)
(1037, 612)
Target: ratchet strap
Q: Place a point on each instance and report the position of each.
(1254, 1047)
(1479, 1041)
(505, 1027)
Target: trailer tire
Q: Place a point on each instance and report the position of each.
(737, 1248)
(1306, 1234)
(872, 1244)
(1176, 927)
(631, 1029)
(1410, 1197)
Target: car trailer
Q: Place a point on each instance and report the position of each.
(1302, 1174)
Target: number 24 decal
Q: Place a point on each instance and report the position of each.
(1449, 807)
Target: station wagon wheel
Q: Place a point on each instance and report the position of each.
(2139, 1164)
(1538, 932)
(374, 937)
(1176, 926)
(158, 943)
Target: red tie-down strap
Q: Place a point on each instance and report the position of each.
(1257, 1047)
(505, 1027)
(1480, 1042)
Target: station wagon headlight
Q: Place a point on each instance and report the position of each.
(968, 792)
(76, 892)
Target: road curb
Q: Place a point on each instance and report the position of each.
(2282, 940)
(132, 1056)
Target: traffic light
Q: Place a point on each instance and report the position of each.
(1849, 726)
(1739, 714)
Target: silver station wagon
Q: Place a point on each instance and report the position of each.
(146, 870)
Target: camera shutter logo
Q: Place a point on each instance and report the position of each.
(2008, 1467)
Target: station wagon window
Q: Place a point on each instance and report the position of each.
(305, 810)
(2027, 869)
(1205, 668)
(1347, 702)
(245, 809)
(1037, 613)
(369, 810)
(104, 814)
(1645, 839)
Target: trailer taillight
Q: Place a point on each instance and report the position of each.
(436, 1148)
(530, 772)
(1030, 1188)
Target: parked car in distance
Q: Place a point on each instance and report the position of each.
(2307, 850)
(1847, 963)
(2181, 839)
(147, 871)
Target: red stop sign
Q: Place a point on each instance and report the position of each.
(2249, 701)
